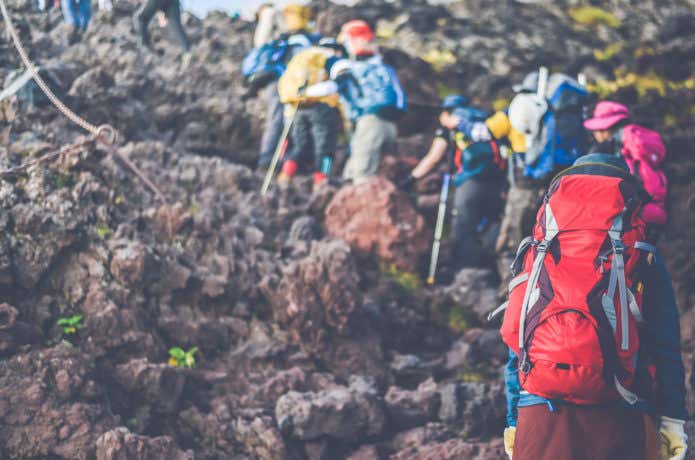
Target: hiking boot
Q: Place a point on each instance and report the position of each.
(75, 35)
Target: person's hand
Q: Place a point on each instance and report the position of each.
(672, 439)
(407, 183)
(509, 435)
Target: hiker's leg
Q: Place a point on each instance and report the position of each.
(324, 132)
(469, 199)
(173, 13)
(274, 123)
(69, 8)
(85, 13)
(370, 137)
(300, 136)
(143, 17)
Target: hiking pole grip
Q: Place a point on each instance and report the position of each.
(279, 151)
(439, 228)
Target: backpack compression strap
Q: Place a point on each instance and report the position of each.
(532, 291)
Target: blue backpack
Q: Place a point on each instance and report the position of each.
(379, 91)
(268, 62)
(563, 130)
(265, 63)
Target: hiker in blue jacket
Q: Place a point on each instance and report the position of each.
(77, 13)
(554, 425)
(296, 19)
(373, 100)
(465, 141)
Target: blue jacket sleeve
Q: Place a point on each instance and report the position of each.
(512, 388)
(662, 339)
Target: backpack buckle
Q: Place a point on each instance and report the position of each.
(525, 366)
(542, 246)
(618, 246)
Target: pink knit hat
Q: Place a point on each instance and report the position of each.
(607, 114)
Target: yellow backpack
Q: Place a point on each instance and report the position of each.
(308, 67)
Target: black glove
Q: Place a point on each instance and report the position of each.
(407, 183)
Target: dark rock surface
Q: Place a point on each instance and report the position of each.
(315, 336)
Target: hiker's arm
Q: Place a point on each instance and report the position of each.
(662, 336)
(434, 156)
(321, 89)
(264, 28)
(512, 388)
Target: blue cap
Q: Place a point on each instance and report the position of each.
(454, 101)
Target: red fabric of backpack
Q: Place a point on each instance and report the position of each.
(574, 303)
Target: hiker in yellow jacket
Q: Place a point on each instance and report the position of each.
(314, 131)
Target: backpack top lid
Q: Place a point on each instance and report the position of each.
(591, 193)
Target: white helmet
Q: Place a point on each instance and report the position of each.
(525, 114)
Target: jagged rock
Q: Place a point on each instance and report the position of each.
(365, 453)
(450, 407)
(156, 384)
(412, 408)
(420, 436)
(376, 217)
(128, 262)
(260, 438)
(320, 295)
(453, 449)
(474, 289)
(121, 444)
(63, 419)
(346, 413)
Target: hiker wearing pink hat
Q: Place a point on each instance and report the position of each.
(641, 148)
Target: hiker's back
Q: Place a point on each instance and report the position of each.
(644, 151)
(379, 89)
(575, 300)
(306, 68)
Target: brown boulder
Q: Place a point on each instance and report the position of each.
(375, 216)
(121, 444)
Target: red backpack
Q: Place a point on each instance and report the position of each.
(644, 151)
(576, 300)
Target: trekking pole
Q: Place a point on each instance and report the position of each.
(542, 81)
(439, 228)
(279, 152)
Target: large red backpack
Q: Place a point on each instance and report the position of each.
(575, 300)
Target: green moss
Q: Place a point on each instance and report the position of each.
(642, 83)
(444, 90)
(439, 59)
(193, 207)
(457, 320)
(62, 180)
(609, 52)
(410, 282)
(103, 231)
(594, 16)
(470, 376)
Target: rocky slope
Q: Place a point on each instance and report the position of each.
(314, 342)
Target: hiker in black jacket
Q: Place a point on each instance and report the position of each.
(149, 8)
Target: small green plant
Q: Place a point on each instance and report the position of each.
(62, 180)
(71, 325)
(410, 282)
(178, 357)
(594, 16)
(103, 231)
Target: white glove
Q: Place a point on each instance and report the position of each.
(673, 442)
